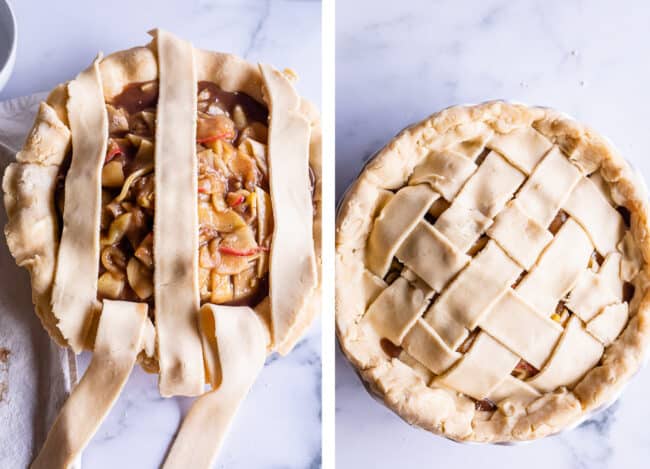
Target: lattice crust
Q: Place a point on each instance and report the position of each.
(498, 267)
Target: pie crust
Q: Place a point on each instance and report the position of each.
(238, 342)
(176, 284)
(60, 246)
(494, 248)
(119, 339)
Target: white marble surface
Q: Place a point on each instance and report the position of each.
(397, 62)
(279, 424)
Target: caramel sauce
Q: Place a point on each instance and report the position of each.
(485, 405)
(478, 246)
(390, 348)
(137, 97)
(524, 370)
(558, 221)
(438, 207)
(518, 279)
(597, 258)
(628, 291)
(254, 111)
(480, 158)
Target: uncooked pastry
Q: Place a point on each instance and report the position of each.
(85, 219)
(499, 256)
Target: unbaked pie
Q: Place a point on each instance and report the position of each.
(167, 206)
(501, 253)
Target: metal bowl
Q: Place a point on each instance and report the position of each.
(8, 35)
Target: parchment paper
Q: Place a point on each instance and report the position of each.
(36, 375)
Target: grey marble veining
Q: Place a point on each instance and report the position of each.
(398, 62)
(278, 425)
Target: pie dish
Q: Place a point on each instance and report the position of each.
(501, 253)
(211, 163)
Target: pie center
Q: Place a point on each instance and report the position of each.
(234, 206)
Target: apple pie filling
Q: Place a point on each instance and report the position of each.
(234, 208)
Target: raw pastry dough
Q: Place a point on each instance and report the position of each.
(234, 344)
(398, 219)
(77, 113)
(118, 341)
(293, 260)
(75, 285)
(176, 284)
(530, 226)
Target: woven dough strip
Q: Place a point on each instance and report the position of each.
(118, 342)
(234, 344)
(293, 260)
(176, 287)
(75, 286)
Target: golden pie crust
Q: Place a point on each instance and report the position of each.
(409, 387)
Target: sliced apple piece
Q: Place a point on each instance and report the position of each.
(140, 278)
(110, 285)
(221, 286)
(113, 174)
(245, 283)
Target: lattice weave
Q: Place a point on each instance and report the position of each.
(507, 254)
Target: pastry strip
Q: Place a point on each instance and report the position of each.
(74, 295)
(522, 147)
(548, 187)
(576, 354)
(396, 309)
(522, 329)
(483, 196)
(419, 369)
(176, 287)
(609, 323)
(118, 341)
(491, 186)
(590, 295)
(519, 235)
(462, 226)
(397, 219)
(610, 274)
(235, 348)
(431, 256)
(448, 327)
(292, 274)
(445, 171)
(512, 387)
(494, 271)
(424, 344)
(601, 221)
(481, 369)
(558, 268)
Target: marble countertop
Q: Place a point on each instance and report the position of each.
(279, 423)
(398, 62)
